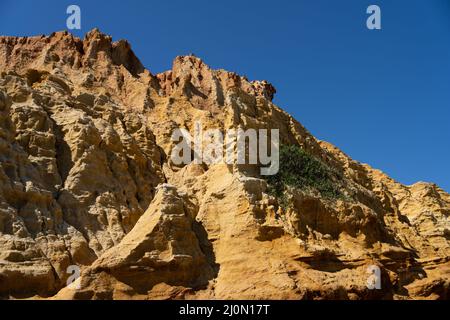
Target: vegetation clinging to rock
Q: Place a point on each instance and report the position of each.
(301, 170)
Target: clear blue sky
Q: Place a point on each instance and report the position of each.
(381, 96)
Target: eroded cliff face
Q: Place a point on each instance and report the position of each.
(86, 179)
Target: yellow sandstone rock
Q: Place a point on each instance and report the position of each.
(86, 179)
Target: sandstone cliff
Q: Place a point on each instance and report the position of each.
(86, 179)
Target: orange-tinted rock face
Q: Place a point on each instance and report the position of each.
(86, 180)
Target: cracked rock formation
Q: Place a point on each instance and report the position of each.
(86, 179)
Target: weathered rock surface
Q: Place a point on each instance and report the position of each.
(86, 179)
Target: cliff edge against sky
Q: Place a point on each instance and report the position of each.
(86, 180)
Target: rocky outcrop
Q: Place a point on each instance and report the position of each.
(76, 173)
(86, 179)
(163, 247)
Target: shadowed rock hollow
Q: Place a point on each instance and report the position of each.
(86, 179)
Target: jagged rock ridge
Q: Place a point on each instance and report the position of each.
(86, 179)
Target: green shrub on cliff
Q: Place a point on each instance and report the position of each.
(300, 170)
